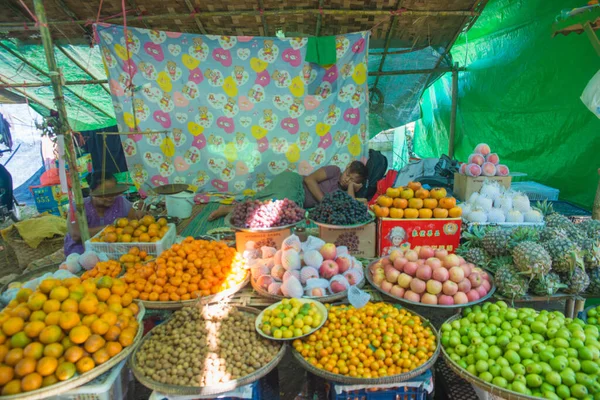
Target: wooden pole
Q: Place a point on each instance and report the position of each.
(453, 111)
(70, 156)
(587, 27)
(596, 208)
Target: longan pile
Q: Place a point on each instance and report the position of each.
(371, 342)
(103, 268)
(192, 349)
(192, 269)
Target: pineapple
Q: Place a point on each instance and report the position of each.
(531, 258)
(562, 253)
(559, 221)
(545, 207)
(591, 228)
(477, 256)
(594, 287)
(510, 282)
(523, 233)
(578, 281)
(547, 285)
(591, 252)
(473, 238)
(495, 242)
(496, 263)
(548, 234)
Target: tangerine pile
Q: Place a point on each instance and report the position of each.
(413, 201)
(192, 269)
(145, 230)
(371, 342)
(63, 328)
(103, 268)
(133, 256)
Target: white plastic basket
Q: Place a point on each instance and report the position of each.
(536, 191)
(111, 385)
(115, 250)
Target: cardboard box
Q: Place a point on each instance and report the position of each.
(361, 241)
(260, 239)
(465, 185)
(406, 234)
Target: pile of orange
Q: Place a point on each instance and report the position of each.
(371, 342)
(413, 201)
(133, 256)
(103, 268)
(63, 328)
(192, 269)
(145, 230)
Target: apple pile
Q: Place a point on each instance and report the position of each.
(303, 269)
(425, 275)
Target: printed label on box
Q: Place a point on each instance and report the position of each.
(398, 234)
(260, 239)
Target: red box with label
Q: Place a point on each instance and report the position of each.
(406, 234)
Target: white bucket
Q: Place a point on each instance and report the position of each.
(180, 205)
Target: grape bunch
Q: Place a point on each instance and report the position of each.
(256, 214)
(348, 239)
(339, 208)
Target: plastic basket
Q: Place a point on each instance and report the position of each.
(115, 250)
(254, 388)
(536, 191)
(108, 386)
(411, 393)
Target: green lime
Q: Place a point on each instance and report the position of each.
(471, 369)
(512, 357)
(550, 395)
(538, 327)
(579, 391)
(495, 369)
(500, 381)
(519, 369)
(481, 366)
(454, 341)
(507, 373)
(545, 367)
(481, 355)
(553, 378)
(546, 387)
(526, 353)
(574, 364)
(585, 353)
(559, 363)
(572, 353)
(486, 376)
(494, 352)
(590, 367)
(563, 392)
(461, 349)
(534, 368)
(533, 380)
(503, 362)
(561, 343)
(563, 333)
(568, 377)
(519, 387)
(546, 355)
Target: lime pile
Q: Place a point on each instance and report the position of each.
(540, 354)
(593, 316)
(291, 318)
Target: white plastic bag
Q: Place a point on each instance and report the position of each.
(591, 95)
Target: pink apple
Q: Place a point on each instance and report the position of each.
(424, 272)
(434, 287)
(328, 269)
(411, 255)
(328, 251)
(441, 274)
(344, 263)
(446, 300)
(375, 266)
(466, 269)
(449, 288)
(460, 298)
(337, 287)
(410, 268)
(473, 295)
(386, 261)
(412, 296)
(441, 254)
(316, 292)
(418, 286)
(426, 252)
(451, 260)
(433, 262)
(464, 285)
(399, 263)
(482, 291)
(461, 260)
(377, 279)
(429, 298)
(404, 280)
(475, 279)
(391, 274)
(486, 284)
(456, 274)
(395, 254)
(397, 291)
(386, 286)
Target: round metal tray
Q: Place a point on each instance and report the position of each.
(375, 381)
(273, 229)
(369, 277)
(321, 309)
(174, 305)
(321, 224)
(480, 383)
(205, 390)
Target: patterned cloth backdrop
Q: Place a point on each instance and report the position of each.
(236, 110)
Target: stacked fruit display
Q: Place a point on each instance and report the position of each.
(192, 269)
(375, 341)
(103, 268)
(256, 214)
(134, 255)
(561, 256)
(312, 269)
(290, 319)
(483, 162)
(494, 204)
(196, 348)
(429, 276)
(339, 208)
(593, 316)
(537, 354)
(413, 201)
(145, 230)
(65, 327)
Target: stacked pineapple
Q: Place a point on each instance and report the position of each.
(561, 256)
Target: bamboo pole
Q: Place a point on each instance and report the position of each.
(414, 71)
(263, 18)
(84, 69)
(453, 111)
(42, 84)
(11, 26)
(388, 40)
(596, 207)
(190, 7)
(587, 27)
(70, 156)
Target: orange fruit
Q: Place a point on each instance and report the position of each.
(113, 333)
(88, 305)
(21, 311)
(110, 317)
(134, 307)
(396, 213)
(122, 222)
(103, 294)
(69, 320)
(33, 329)
(110, 237)
(49, 380)
(147, 220)
(34, 350)
(3, 351)
(23, 295)
(37, 316)
(411, 213)
(80, 334)
(89, 319)
(36, 301)
(46, 366)
(116, 307)
(102, 308)
(440, 213)
(53, 318)
(89, 286)
(415, 203)
(425, 213)
(385, 201)
(74, 354)
(101, 356)
(113, 348)
(59, 293)
(12, 387)
(13, 357)
(12, 325)
(25, 367)
(144, 237)
(65, 371)
(31, 382)
(50, 334)
(94, 343)
(100, 326)
(51, 305)
(455, 212)
(430, 203)
(85, 364)
(20, 340)
(119, 288)
(67, 343)
(69, 305)
(114, 299)
(71, 282)
(6, 374)
(127, 336)
(54, 350)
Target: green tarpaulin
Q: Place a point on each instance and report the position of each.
(520, 95)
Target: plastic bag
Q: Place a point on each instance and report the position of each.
(591, 95)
